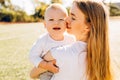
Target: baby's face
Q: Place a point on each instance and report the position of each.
(55, 21)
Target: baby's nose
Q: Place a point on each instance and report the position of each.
(56, 22)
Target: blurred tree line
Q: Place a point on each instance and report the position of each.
(10, 13)
(114, 9)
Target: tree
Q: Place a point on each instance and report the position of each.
(40, 10)
(56, 1)
(114, 10)
(2, 2)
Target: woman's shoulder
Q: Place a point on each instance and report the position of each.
(77, 47)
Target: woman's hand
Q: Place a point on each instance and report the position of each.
(48, 56)
(49, 65)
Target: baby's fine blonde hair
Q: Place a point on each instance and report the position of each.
(56, 6)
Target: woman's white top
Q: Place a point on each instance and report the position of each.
(44, 44)
(71, 60)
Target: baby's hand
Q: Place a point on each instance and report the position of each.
(51, 66)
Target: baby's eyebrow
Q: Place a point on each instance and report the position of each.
(50, 19)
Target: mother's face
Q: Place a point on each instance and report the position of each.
(76, 22)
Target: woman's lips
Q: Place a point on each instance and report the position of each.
(68, 27)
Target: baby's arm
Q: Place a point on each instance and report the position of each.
(35, 58)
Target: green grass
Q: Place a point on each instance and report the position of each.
(15, 43)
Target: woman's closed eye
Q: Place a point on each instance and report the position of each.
(73, 18)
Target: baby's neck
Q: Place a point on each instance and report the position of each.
(57, 37)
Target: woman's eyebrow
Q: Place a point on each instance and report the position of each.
(73, 14)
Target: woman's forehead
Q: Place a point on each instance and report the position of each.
(75, 11)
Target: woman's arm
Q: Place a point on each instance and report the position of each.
(35, 72)
(44, 66)
(49, 65)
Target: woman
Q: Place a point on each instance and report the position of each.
(88, 58)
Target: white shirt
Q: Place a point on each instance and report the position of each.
(71, 61)
(44, 44)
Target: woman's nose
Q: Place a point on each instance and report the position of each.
(67, 20)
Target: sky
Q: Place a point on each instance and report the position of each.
(28, 5)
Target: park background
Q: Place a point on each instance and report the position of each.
(20, 28)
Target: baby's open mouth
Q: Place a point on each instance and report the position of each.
(56, 28)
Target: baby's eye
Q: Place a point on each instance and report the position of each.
(51, 19)
(61, 19)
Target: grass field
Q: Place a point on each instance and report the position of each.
(16, 40)
(15, 43)
(114, 32)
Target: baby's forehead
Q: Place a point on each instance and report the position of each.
(56, 9)
(53, 10)
(53, 13)
(56, 6)
(55, 16)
